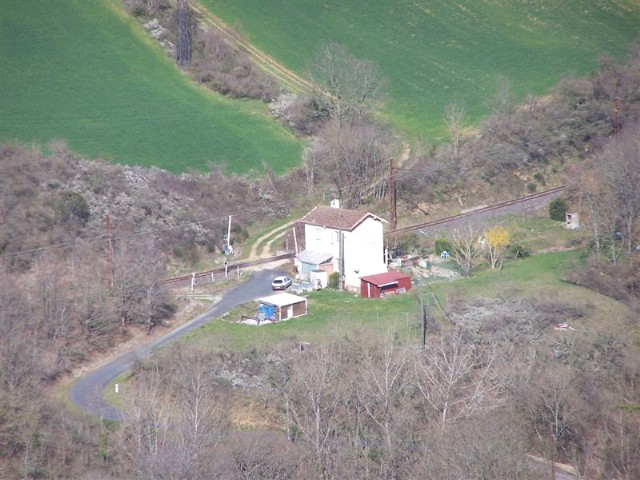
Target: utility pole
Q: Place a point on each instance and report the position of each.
(392, 196)
(109, 253)
(423, 312)
(616, 110)
(341, 262)
(552, 449)
(423, 315)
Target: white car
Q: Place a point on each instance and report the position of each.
(281, 283)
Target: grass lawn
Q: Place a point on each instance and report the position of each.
(433, 52)
(538, 277)
(539, 233)
(87, 73)
(330, 312)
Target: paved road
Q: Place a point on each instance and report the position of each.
(87, 392)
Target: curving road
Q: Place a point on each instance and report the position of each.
(86, 393)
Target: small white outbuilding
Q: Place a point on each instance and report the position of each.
(282, 306)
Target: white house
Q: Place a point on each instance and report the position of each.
(361, 251)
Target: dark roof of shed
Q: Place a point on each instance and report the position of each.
(380, 279)
(337, 217)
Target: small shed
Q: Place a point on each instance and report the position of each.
(573, 221)
(282, 306)
(313, 262)
(382, 284)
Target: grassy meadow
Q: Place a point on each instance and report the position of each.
(433, 52)
(538, 278)
(86, 73)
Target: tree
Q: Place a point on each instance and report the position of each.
(311, 390)
(458, 379)
(620, 167)
(496, 242)
(384, 392)
(352, 85)
(609, 187)
(136, 272)
(174, 416)
(466, 249)
(558, 209)
(354, 158)
(185, 26)
(455, 117)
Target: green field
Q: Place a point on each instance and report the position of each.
(433, 52)
(86, 73)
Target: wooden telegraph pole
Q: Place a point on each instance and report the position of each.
(616, 110)
(109, 253)
(392, 196)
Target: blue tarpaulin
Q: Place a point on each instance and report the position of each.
(269, 311)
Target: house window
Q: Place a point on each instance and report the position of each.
(334, 237)
(318, 234)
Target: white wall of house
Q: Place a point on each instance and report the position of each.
(322, 239)
(363, 249)
(363, 252)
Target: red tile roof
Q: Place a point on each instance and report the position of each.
(386, 278)
(337, 217)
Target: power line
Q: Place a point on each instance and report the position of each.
(101, 237)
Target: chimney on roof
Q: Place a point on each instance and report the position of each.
(335, 203)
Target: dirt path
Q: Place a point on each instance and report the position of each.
(290, 78)
(404, 156)
(260, 249)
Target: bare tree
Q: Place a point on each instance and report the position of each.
(54, 305)
(185, 26)
(353, 86)
(609, 187)
(175, 417)
(455, 117)
(491, 446)
(354, 159)
(136, 271)
(458, 379)
(312, 394)
(466, 249)
(384, 391)
(620, 167)
(264, 455)
(146, 436)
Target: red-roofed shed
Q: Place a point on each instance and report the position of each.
(382, 284)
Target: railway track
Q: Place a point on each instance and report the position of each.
(516, 205)
(229, 268)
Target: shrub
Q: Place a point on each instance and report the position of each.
(515, 250)
(539, 177)
(334, 280)
(73, 208)
(558, 209)
(443, 244)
